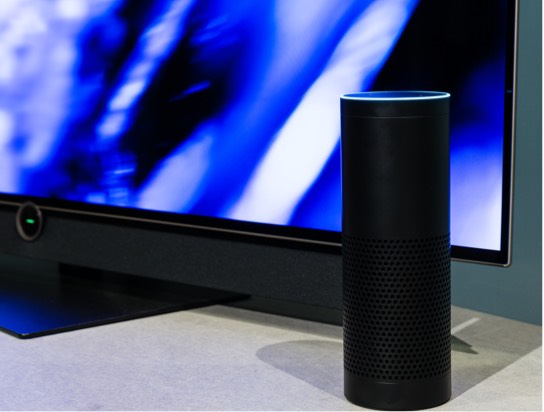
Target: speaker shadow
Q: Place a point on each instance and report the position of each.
(320, 363)
(316, 362)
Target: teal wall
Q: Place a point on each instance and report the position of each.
(516, 291)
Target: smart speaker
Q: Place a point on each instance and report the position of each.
(396, 249)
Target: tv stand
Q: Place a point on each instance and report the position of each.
(38, 303)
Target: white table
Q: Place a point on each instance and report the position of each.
(224, 358)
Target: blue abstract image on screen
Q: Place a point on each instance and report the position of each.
(221, 108)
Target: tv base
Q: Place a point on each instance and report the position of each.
(38, 304)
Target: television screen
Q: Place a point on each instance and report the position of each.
(225, 112)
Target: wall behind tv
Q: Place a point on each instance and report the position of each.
(516, 291)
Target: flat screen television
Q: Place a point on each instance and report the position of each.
(220, 119)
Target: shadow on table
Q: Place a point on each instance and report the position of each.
(320, 362)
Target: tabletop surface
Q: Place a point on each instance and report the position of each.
(225, 358)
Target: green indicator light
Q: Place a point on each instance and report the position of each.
(30, 221)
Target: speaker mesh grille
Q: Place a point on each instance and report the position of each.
(396, 307)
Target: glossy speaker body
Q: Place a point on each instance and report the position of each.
(396, 249)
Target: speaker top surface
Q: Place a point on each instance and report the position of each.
(390, 104)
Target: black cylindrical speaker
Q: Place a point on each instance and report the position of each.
(396, 249)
